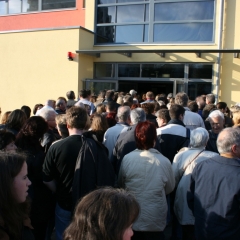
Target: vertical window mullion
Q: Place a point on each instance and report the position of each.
(151, 20)
(39, 5)
(7, 7)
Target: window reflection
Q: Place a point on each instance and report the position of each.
(200, 71)
(104, 70)
(106, 15)
(30, 5)
(2, 7)
(184, 11)
(56, 4)
(197, 89)
(128, 70)
(105, 34)
(14, 6)
(106, 1)
(130, 13)
(163, 70)
(183, 32)
(129, 33)
(129, 1)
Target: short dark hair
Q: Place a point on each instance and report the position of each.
(148, 107)
(193, 106)
(27, 110)
(83, 93)
(211, 98)
(175, 111)
(207, 110)
(163, 114)
(221, 105)
(145, 135)
(70, 95)
(6, 138)
(111, 106)
(103, 214)
(109, 94)
(77, 117)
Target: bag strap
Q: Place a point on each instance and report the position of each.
(192, 161)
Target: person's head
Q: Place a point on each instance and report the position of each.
(100, 108)
(228, 141)
(109, 95)
(77, 118)
(14, 185)
(199, 138)
(148, 107)
(181, 99)
(5, 117)
(210, 98)
(99, 122)
(70, 95)
(169, 96)
(120, 100)
(61, 122)
(31, 132)
(176, 112)
(101, 94)
(216, 119)
(222, 106)
(145, 135)
(27, 110)
(104, 214)
(16, 119)
(193, 106)
(51, 103)
(111, 119)
(236, 118)
(37, 107)
(111, 107)
(137, 115)
(162, 117)
(61, 104)
(150, 95)
(129, 100)
(7, 140)
(133, 93)
(207, 110)
(200, 100)
(83, 93)
(49, 116)
(123, 114)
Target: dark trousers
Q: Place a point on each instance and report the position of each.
(188, 232)
(147, 235)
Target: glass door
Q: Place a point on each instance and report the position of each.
(97, 85)
(179, 86)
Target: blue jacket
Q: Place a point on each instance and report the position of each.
(214, 198)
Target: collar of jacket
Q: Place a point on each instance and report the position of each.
(176, 121)
(227, 161)
(187, 109)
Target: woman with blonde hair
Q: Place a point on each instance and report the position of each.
(236, 118)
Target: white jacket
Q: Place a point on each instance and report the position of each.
(148, 175)
(192, 120)
(182, 179)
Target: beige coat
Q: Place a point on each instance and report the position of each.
(148, 175)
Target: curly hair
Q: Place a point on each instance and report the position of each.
(31, 133)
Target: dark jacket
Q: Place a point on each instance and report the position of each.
(125, 144)
(214, 198)
(212, 142)
(172, 138)
(93, 168)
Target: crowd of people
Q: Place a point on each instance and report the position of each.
(121, 166)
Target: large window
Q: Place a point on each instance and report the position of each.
(23, 6)
(160, 21)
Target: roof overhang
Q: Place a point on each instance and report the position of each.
(161, 52)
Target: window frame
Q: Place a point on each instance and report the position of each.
(151, 23)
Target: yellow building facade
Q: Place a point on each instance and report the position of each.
(205, 66)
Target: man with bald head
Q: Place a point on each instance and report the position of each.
(214, 195)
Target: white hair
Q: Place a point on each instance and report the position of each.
(216, 114)
(123, 113)
(199, 137)
(47, 113)
(231, 137)
(79, 104)
(137, 115)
